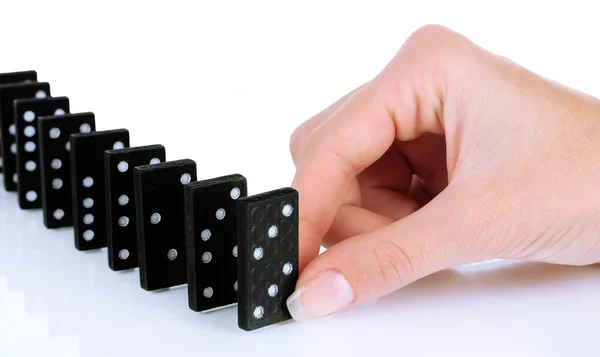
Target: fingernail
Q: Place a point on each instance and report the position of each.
(327, 293)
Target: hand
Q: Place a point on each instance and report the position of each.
(451, 155)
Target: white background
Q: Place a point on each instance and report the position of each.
(225, 83)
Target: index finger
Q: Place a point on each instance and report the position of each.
(357, 134)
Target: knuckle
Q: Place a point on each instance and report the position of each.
(430, 32)
(300, 137)
(434, 36)
(296, 141)
(432, 60)
(435, 46)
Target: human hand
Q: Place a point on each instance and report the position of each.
(451, 155)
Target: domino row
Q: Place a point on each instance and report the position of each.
(150, 213)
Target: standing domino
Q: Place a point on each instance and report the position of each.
(121, 222)
(8, 94)
(11, 78)
(55, 164)
(27, 112)
(87, 184)
(18, 77)
(160, 218)
(268, 257)
(211, 227)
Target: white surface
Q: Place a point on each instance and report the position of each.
(225, 83)
(55, 301)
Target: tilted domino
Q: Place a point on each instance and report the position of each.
(267, 257)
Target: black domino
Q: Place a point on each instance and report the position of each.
(159, 200)
(211, 228)
(121, 226)
(27, 112)
(11, 78)
(88, 186)
(18, 77)
(55, 163)
(268, 257)
(8, 93)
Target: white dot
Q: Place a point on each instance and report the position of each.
(30, 166)
(88, 182)
(123, 166)
(287, 210)
(154, 161)
(235, 251)
(29, 131)
(185, 179)
(206, 257)
(235, 286)
(123, 254)
(12, 129)
(13, 148)
(172, 254)
(123, 200)
(287, 268)
(56, 164)
(15, 178)
(68, 146)
(57, 184)
(258, 312)
(88, 203)
(29, 116)
(155, 218)
(58, 214)
(123, 221)
(60, 111)
(54, 133)
(220, 214)
(273, 231)
(88, 235)
(31, 196)
(88, 219)
(273, 290)
(41, 94)
(208, 292)
(258, 253)
(30, 146)
(85, 128)
(118, 145)
(235, 193)
(205, 235)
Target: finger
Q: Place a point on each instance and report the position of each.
(391, 171)
(351, 221)
(389, 203)
(331, 160)
(368, 266)
(301, 134)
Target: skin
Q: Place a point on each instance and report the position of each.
(451, 155)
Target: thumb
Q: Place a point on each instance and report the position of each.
(368, 266)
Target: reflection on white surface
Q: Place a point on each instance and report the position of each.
(55, 300)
